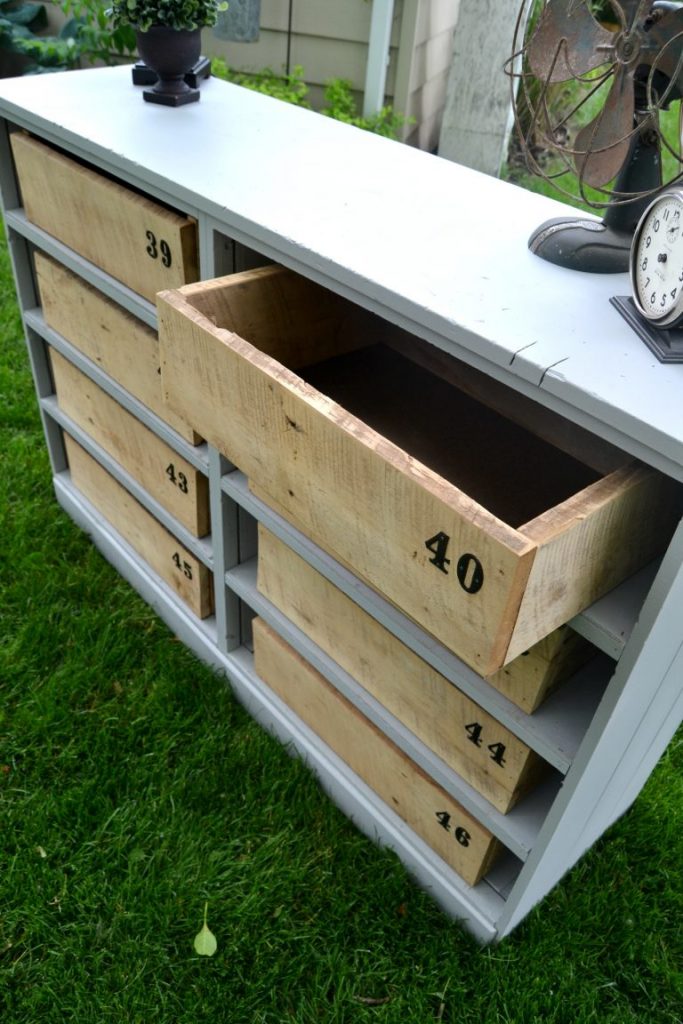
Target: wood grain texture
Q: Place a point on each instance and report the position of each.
(140, 452)
(467, 738)
(533, 675)
(378, 503)
(591, 543)
(403, 786)
(366, 500)
(185, 574)
(104, 221)
(114, 339)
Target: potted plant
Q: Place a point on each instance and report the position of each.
(168, 35)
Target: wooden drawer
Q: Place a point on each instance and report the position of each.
(533, 675)
(185, 574)
(118, 342)
(487, 534)
(138, 241)
(176, 484)
(494, 761)
(459, 839)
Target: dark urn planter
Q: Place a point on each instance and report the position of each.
(171, 53)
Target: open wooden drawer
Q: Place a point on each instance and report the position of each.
(490, 530)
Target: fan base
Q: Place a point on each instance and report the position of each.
(667, 345)
(581, 244)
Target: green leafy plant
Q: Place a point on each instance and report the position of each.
(86, 36)
(19, 23)
(177, 14)
(288, 87)
(96, 38)
(340, 103)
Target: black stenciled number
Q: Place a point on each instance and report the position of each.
(179, 479)
(153, 249)
(655, 225)
(438, 545)
(648, 241)
(182, 564)
(165, 253)
(469, 569)
(653, 298)
(473, 731)
(444, 819)
(470, 573)
(497, 752)
(643, 265)
(461, 834)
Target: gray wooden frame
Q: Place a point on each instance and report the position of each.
(234, 162)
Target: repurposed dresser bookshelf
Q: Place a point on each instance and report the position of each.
(108, 201)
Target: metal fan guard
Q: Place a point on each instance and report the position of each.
(545, 135)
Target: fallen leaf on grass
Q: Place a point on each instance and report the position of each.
(205, 941)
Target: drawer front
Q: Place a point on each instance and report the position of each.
(120, 344)
(533, 675)
(488, 589)
(459, 839)
(186, 575)
(494, 761)
(138, 241)
(167, 477)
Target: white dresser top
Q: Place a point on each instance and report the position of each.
(437, 247)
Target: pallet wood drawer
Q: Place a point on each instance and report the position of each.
(486, 534)
(164, 474)
(186, 575)
(459, 839)
(486, 754)
(138, 241)
(119, 343)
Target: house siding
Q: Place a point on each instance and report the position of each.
(330, 40)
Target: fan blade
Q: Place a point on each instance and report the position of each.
(602, 146)
(568, 42)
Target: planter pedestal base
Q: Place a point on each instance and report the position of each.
(172, 99)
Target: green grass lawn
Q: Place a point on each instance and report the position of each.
(133, 789)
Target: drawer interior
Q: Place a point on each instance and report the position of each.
(512, 472)
(518, 464)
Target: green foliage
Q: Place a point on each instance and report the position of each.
(177, 14)
(340, 103)
(98, 40)
(288, 87)
(86, 35)
(19, 23)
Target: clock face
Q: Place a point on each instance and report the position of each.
(657, 260)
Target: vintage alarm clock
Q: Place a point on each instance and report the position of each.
(656, 263)
(655, 307)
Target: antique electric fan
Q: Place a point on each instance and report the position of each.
(623, 71)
